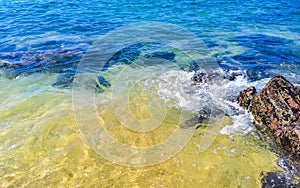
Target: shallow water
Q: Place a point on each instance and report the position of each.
(40, 142)
(41, 145)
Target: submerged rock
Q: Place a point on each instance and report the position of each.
(213, 76)
(277, 107)
(24, 63)
(164, 55)
(277, 179)
(51, 57)
(64, 80)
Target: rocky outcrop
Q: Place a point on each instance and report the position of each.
(277, 107)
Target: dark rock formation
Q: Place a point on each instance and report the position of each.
(211, 76)
(277, 179)
(277, 107)
(245, 97)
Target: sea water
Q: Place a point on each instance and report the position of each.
(40, 142)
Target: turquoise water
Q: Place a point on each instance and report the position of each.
(42, 43)
(242, 33)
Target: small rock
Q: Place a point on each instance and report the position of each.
(246, 96)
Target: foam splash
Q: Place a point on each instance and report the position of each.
(179, 91)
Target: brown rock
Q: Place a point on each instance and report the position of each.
(278, 107)
(246, 96)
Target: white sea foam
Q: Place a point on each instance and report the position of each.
(178, 90)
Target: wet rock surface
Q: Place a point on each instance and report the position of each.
(211, 76)
(277, 107)
(276, 180)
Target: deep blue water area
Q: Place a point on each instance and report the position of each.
(52, 36)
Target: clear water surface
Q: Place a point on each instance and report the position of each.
(40, 144)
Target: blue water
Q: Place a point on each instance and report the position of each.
(242, 34)
(259, 37)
